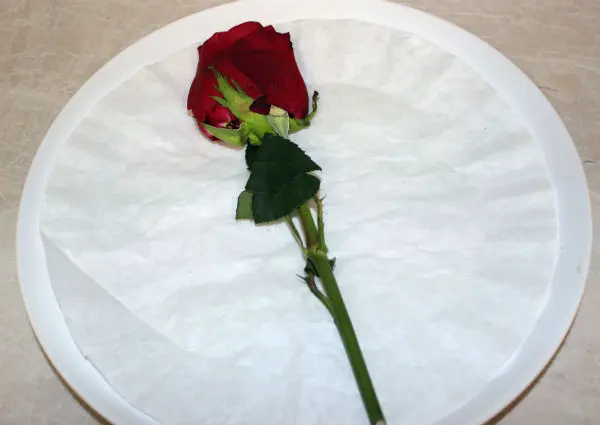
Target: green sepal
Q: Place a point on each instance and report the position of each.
(237, 101)
(239, 88)
(279, 120)
(254, 140)
(258, 124)
(300, 124)
(235, 137)
(220, 101)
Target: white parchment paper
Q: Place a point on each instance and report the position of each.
(438, 208)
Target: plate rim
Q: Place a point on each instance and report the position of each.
(564, 166)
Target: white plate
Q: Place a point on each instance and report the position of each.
(542, 121)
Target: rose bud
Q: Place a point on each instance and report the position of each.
(243, 75)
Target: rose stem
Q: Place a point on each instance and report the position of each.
(321, 224)
(341, 318)
(308, 225)
(295, 232)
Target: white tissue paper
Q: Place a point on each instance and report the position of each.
(438, 208)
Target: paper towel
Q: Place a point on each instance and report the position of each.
(438, 208)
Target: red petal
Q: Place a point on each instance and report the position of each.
(221, 42)
(265, 39)
(234, 75)
(266, 58)
(199, 96)
(204, 87)
(219, 116)
(277, 76)
(261, 105)
(204, 108)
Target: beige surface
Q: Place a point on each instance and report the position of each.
(48, 48)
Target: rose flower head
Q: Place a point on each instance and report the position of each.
(247, 79)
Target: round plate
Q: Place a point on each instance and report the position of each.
(566, 174)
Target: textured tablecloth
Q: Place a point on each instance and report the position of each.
(48, 48)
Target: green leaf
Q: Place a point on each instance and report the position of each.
(279, 179)
(251, 151)
(276, 164)
(244, 206)
(276, 204)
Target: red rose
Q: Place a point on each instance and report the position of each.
(257, 59)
